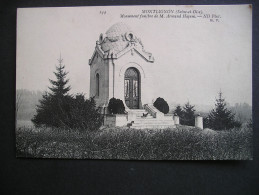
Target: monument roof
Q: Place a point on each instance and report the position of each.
(117, 29)
(115, 38)
(119, 39)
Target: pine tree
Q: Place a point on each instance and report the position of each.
(221, 118)
(54, 107)
(59, 88)
(188, 117)
(84, 115)
(59, 109)
(44, 112)
(178, 111)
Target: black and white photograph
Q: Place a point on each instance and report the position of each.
(161, 82)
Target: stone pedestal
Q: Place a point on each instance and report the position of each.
(176, 120)
(199, 122)
(115, 120)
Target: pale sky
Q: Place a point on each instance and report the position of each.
(194, 58)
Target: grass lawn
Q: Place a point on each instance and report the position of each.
(24, 123)
(181, 143)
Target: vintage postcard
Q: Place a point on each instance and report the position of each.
(135, 82)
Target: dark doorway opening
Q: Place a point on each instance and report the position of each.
(132, 88)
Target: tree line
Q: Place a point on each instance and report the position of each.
(219, 118)
(26, 102)
(58, 108)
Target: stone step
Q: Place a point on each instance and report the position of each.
(138, 110)
(150, 118)
(153, 122)
(144, 118)
(152, 126)
(139, 114)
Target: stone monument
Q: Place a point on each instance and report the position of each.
(121, 68)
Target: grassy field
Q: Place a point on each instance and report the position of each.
(24, 123)
(181, 143)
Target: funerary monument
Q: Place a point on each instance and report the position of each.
(120, 67)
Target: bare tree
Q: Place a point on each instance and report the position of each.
(19, 100)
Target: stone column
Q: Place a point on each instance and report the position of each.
(199, 121)
(176, 119)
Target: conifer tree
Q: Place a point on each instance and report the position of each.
(54, 106)
(178, 111)
(59, 88)
(59, 109)
(221, 118)
(188, 117)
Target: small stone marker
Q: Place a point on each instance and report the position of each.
(199, 121)
(176, 119)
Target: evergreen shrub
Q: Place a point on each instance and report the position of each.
(116, 106)
(161, 105)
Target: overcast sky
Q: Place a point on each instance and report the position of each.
(194, 58)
